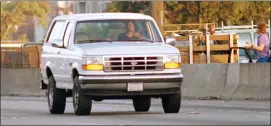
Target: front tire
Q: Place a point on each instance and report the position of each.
(81, 103)
(172, 103)
(56, 97)
(142, 104)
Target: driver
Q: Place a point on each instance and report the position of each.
(130, 34)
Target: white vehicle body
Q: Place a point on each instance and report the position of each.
(64, 59)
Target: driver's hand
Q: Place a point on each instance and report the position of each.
(138, 35)
(248, 45)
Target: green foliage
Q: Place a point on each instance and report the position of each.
(229, 12)
(128, 6)
(14, 14)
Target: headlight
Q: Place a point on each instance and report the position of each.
(94, 60)
(93, 63)
(172, 58)
(172, 62)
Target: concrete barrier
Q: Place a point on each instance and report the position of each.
(204, 80)
(225, 81)
(24, 82)
(253, 82)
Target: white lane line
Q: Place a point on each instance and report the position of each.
(82, 123)
(262, 117)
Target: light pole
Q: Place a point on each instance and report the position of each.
(157, 12)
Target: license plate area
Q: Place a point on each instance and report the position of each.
(135, 86)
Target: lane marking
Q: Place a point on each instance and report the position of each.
(262, 117)
(83, 123)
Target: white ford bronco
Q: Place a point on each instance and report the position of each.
(109, 56)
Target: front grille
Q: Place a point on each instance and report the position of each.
(133, 63)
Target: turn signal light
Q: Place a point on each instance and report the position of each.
(93, 67)
(172, 65)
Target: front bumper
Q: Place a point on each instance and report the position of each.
(117, 85)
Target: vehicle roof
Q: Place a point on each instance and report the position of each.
(104, 16)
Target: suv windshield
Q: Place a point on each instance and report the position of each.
(116, 30)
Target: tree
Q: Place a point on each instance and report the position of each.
(210, 11)
(182, 12)
(235, 12)
(258, 11)
(173, 12)
(13, 15)
(129, 6)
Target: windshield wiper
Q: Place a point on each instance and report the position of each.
(94, 41)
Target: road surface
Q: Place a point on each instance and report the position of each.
(34, 111)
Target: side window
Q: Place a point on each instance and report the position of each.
(67, 34)
(56, 31)
(243, 38)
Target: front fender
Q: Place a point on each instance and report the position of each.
(76, 66)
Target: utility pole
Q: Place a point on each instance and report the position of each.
(157, 12)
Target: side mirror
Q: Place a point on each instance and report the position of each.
(244, 61)
(171, 41)
(58, 43)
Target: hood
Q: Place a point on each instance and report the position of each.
(127, 48)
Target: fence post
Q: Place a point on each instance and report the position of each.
(231, 44)
(208, 48)
(38, 56)
(206, 28)
(190, 49)
(22, 59)
(237, 42)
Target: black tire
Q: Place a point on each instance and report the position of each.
(171, 103)
(81, 103)
(98, 99)
(56, 97)
(142, 104)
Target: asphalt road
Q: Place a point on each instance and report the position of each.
(34, 111)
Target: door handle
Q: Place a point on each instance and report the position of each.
(58, 52)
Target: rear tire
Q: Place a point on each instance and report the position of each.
(142, 104)
(81, 104)
(171, 103)
(56, 97)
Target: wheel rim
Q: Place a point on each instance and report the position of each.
(50, 95)
(75, 97)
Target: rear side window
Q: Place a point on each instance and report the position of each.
(56, 31)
